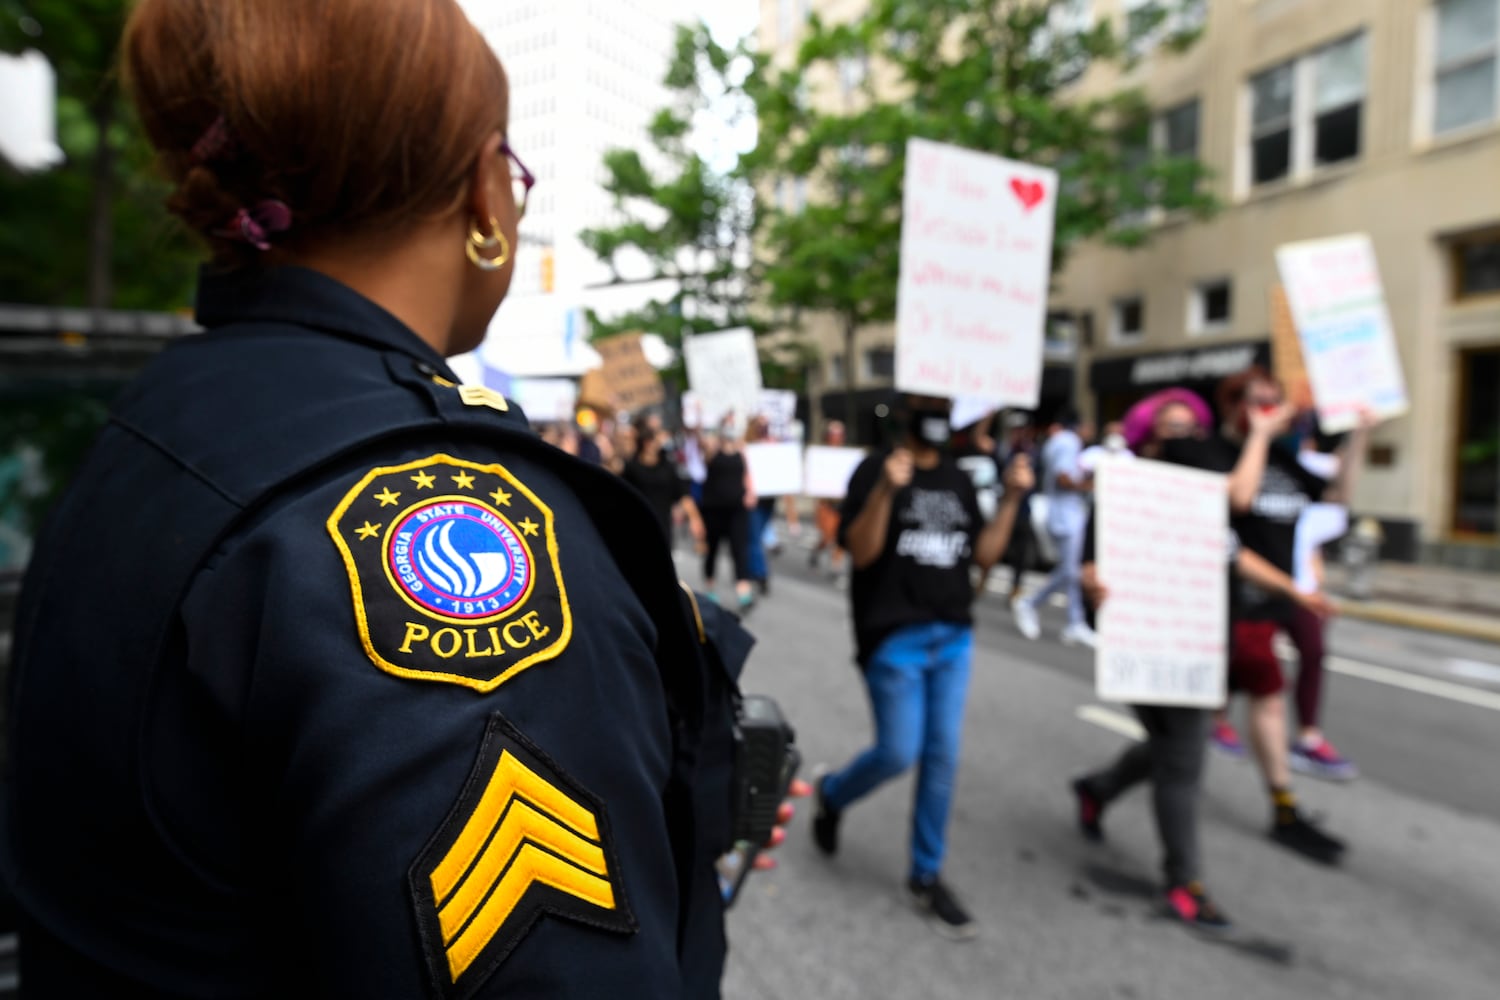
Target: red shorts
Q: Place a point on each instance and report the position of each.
(1253, 665)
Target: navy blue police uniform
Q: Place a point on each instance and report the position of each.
(331, 679)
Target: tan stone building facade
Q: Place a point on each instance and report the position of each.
(1318, 118)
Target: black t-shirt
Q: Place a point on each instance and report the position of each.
(724, 484)
(1269, 528)
(660, 485)
(923, 574)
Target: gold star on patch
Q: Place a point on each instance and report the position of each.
(424, 480)
(368, 531)
(464, 481)
(501, 497)
(387, 498)
(530, 527)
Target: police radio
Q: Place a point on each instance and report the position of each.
(766, 760)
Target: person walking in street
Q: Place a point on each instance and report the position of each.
(1066, 487)
(762, 514)
(1268, 491)
(658, 480)
(826, 517)
(727, 502)
(912, 527)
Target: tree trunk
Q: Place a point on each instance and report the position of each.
(101, 211)
(851, 410)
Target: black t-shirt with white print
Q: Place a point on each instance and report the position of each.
(1269, 528)
(923, 575)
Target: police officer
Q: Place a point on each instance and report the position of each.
(330, 679)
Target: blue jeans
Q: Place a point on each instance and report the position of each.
(1066, 575)
(918, 680)
(757, 565)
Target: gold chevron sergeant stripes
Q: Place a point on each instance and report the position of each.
(523, 831)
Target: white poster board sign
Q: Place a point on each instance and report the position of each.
(828, 471)
(969, 410)
(1162, 549)
(775, 468)
(724, 373)
(976, 256)
(545, 398)
(779, 407)
(1333, 288)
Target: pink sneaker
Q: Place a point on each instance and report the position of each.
(1226, 740)
(1321, 760)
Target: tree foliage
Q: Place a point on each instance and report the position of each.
(91, 232)
(998, 76)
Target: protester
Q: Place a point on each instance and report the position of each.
(1111, 445)
(660, 483)
(271, 684)
(1066, 487)
(826, 516)
(727, 502)
(912, 527)
(1021, 554)
(1171, 757)
(758, 564)
(1268, 490)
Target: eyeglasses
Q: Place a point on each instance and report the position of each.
(522, 180)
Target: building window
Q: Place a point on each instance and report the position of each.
(880, 363)
(1210, 307)
(1129, 320)
(1467, 90)
(1179, 130)
(1476, 266)
(836, 373)
(1271, 125)
(1339, 97)
(1476, 494)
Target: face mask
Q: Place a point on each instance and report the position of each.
(1114, 443)
(931, 427)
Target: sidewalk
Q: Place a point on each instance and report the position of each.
(1433, 598)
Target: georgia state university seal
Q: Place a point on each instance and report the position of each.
(453, 570)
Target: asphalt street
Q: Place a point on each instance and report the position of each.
(1414, 912)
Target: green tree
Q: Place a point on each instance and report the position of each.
(989, 75)
(91, 232)
(686, 219)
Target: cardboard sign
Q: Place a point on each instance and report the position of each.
(635, 384)
(1286, 352)
(545, 398)
(1163, 552)
(828, 471)
(976, 256)
(724, 371)
(775, 468)
(594, 391)
(1338, 304)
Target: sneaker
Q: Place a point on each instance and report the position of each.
(1225, 740)
(1321, 760)
(826, 823)
(1080, 635)
(746, 603)
(1026, 622)
(931, 897)
(1090, 811)
(1294, 832)
(1190, 904)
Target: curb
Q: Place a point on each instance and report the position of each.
(1426, 621)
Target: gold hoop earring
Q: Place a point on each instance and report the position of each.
(478, 241)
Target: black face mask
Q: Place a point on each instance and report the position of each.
(931, 427)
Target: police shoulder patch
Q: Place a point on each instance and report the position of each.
(454, 572)
(524, 841)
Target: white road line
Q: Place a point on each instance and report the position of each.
(1115, 722)
(1416, 682)
(1474, 670)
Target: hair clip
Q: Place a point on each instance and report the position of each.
(215, 143)
(255, 226)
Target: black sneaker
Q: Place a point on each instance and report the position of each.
(1291, 830)
(826, 823)
(1190, 904)
(1090, 811)
(949, 918)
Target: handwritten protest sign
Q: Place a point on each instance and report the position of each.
(1333, 287)
(976, 253)
(775, 468)
(828, 471)
(1162, 550)
(634, 382)
(1286, 352)
(546, 398)
(724, 372)
(779, 407)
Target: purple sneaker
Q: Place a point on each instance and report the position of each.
(1321, 760)
(1226, 740)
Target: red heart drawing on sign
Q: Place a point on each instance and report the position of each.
(1030, 193)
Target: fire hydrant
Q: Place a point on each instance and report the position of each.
(1361, 549)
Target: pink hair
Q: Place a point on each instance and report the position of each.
(1140, 420)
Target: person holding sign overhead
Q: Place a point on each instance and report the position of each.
(912, 527)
